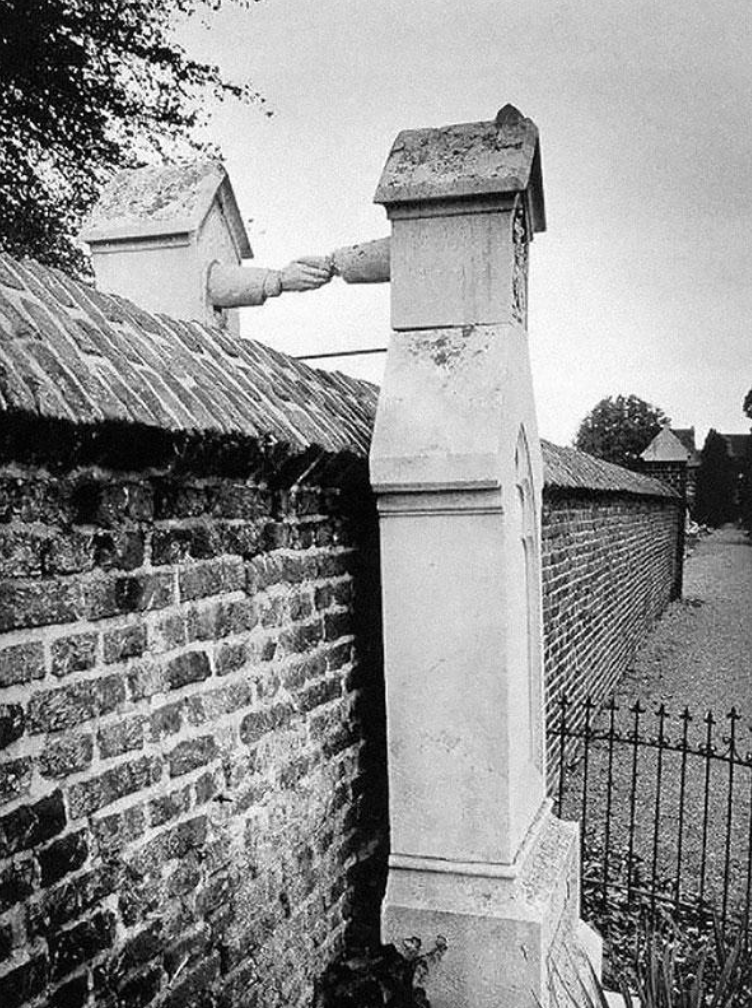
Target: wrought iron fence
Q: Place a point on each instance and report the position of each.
(664, 802)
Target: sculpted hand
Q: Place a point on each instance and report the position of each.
(306, 273)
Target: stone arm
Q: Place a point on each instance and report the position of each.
(364, 263)
(239, 286)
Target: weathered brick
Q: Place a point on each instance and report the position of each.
(140, 949)
(24, 983)
(74, 654)
(188, 949)
(6, 942)
(21, 551)
(20, 663)
(165, 721)
(73, 994)
(195, 989)
(38, 603)
(259, 723)
(15, 778)
(183, 879)
(109, 694)
(193, 753)
(146, 679)
(140, 990)
(213, 577)
(12, 724)
(62, 856)
(337, 624)
(176, 842)
(124, 642)
(54, 710)
(320, 693)
(243, 539)
(68, 553)
(70, 900)
(193, 666)
(16, 883)
(169, 806)
(90, 796)
(301, 637)
(123, 736)
(206, 788)
(231, 657)
(144, 592)
(30, 825)
(212, 704)
(81, 943)
(71, 753)
(123, 550)
(120, 828)
(99, 502)
(170, 632)
(175, 545)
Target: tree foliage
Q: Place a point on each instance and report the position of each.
(716, 495)
(86, 87)
(746, 487)
(619, 428)
(747, 404)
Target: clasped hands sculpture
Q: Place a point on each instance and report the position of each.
(236, 286)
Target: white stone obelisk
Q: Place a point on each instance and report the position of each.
(475, 853)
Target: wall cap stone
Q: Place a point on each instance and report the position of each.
(70, 353)
(570, 469)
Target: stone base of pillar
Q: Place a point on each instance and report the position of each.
(513, 931)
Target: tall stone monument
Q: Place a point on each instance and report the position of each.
(476, 854)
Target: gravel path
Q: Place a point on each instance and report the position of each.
(700, 654)
(698, 657)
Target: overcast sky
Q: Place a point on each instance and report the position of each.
(642, 283)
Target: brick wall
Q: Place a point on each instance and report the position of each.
(186, 732)
(610, 567)
(192, 759)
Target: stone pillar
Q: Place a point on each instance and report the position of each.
(456, 464)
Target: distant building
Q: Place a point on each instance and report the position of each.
(740, 454)
(673, 457)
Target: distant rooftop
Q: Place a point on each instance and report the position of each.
(162, 200)
(666, 447)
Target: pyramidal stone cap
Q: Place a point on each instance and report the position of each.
(162, 200)
(466, 160)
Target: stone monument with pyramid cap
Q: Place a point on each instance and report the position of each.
(476, 854)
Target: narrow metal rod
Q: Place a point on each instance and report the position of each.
(686, 718)
(637, 709)
(342, 353)
(709, 721)
(563, 704)
(748, 893)
(732, 716)
(609, 794)
(585, 775)
(656, 825)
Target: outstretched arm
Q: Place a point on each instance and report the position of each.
(367, 262)
(238, 286)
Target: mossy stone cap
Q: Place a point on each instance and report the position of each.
(466, 160)
(161, 200)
